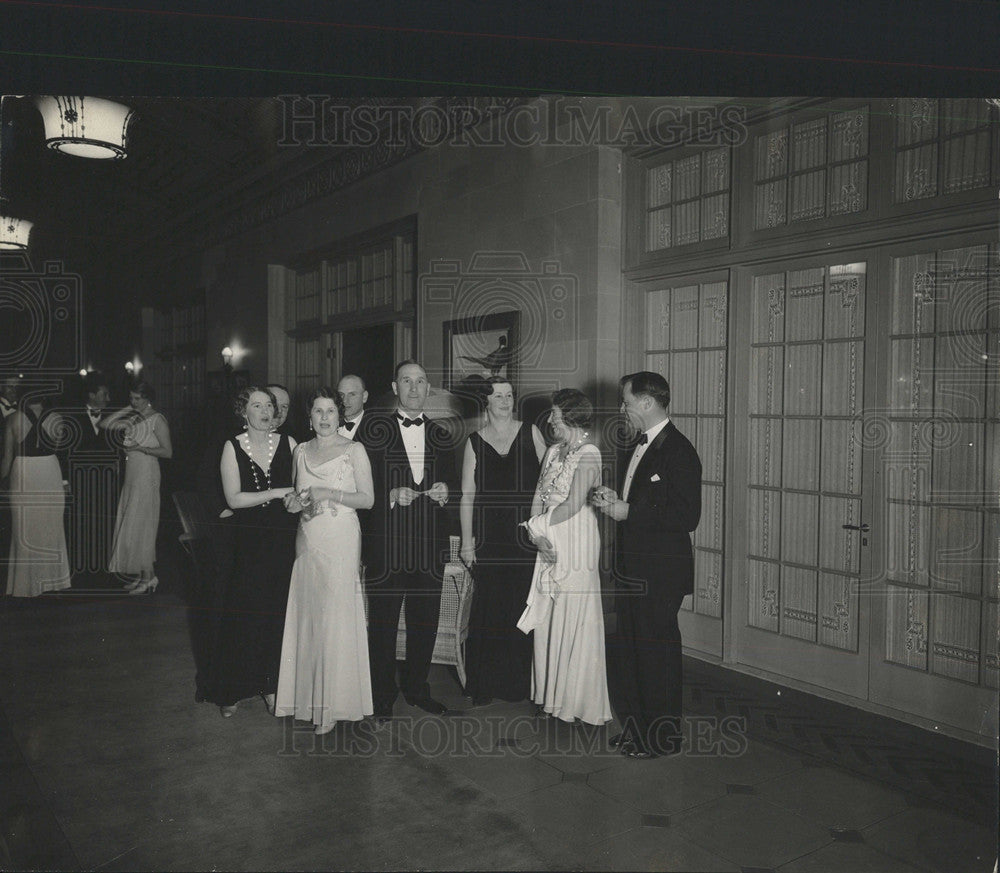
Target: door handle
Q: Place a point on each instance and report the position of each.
(863, 527)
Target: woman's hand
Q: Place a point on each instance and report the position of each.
(467, 554)
(292, 502)
(279, 493)
(545, 549)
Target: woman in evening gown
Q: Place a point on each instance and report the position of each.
(569, 678)
(145, 437)
(256, 469)
(325, 675)
(499, 474)
(38, 562)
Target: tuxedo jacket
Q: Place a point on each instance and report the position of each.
(654, 542)
(89, 442)
(412, 538)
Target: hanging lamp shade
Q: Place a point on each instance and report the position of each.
(89, 127)
(14, 233)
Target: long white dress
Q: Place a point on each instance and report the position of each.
(37, 562)
(133, 550)
(569, 677)
(324, 676)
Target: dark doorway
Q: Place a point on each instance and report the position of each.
(369, 352)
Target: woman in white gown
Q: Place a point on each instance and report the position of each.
(146, 439)
(324, 676)
(569, 679)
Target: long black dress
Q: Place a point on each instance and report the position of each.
(498, 655)
(252, 610)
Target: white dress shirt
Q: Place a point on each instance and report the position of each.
(637, 454)
(353, 432)
(413, 441)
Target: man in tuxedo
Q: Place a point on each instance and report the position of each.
(282, 402)
(352, 391)
(405, 543)
(93, 473)
(660, 504)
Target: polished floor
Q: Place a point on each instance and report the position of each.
(107, 763)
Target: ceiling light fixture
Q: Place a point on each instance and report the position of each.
(13, 231)
(89, 127)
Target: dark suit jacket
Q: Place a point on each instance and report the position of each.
(654, 542)
(411, 538)
(88, 448)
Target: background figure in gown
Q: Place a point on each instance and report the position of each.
(325, 675)
(256, 470)
(38, 561)
(145, 439)
(569, 678)
(499, 474)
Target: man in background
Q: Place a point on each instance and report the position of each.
(352, 392)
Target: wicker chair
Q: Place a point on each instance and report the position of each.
(453, 620)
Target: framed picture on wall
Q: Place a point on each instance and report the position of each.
(478, 347)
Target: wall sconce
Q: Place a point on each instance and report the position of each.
(227, 357)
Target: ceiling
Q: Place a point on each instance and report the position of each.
(180, 151)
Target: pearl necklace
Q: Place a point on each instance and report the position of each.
(254, 464)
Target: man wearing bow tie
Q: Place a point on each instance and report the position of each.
(405, 543)
(660, 504)
(352, 391)
(93, 473)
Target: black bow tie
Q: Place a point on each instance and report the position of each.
(6, 404)
(643, 440)
(349, 425)
(410, 422)
(94, 413)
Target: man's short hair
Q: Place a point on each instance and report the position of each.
(648, 384)
(356, 376)
(406, 363)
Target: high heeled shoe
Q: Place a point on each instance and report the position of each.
(147, 587)
(268, 703)
(132, 585)
(227, 711)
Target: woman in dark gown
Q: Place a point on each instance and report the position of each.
(499, 474)
(256, 471)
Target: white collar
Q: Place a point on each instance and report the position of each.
(654, 431)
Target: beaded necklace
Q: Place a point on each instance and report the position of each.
(254, 465)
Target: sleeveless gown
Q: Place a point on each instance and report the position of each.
(498, 654)
(38, 561)
(252, 610)
(137, 520)
(569, 676)
(325, 675)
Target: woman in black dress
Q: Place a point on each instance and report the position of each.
(256, 471)
(499, 474)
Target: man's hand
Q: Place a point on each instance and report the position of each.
(606, 500)
(403, 496)
(438, 492)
